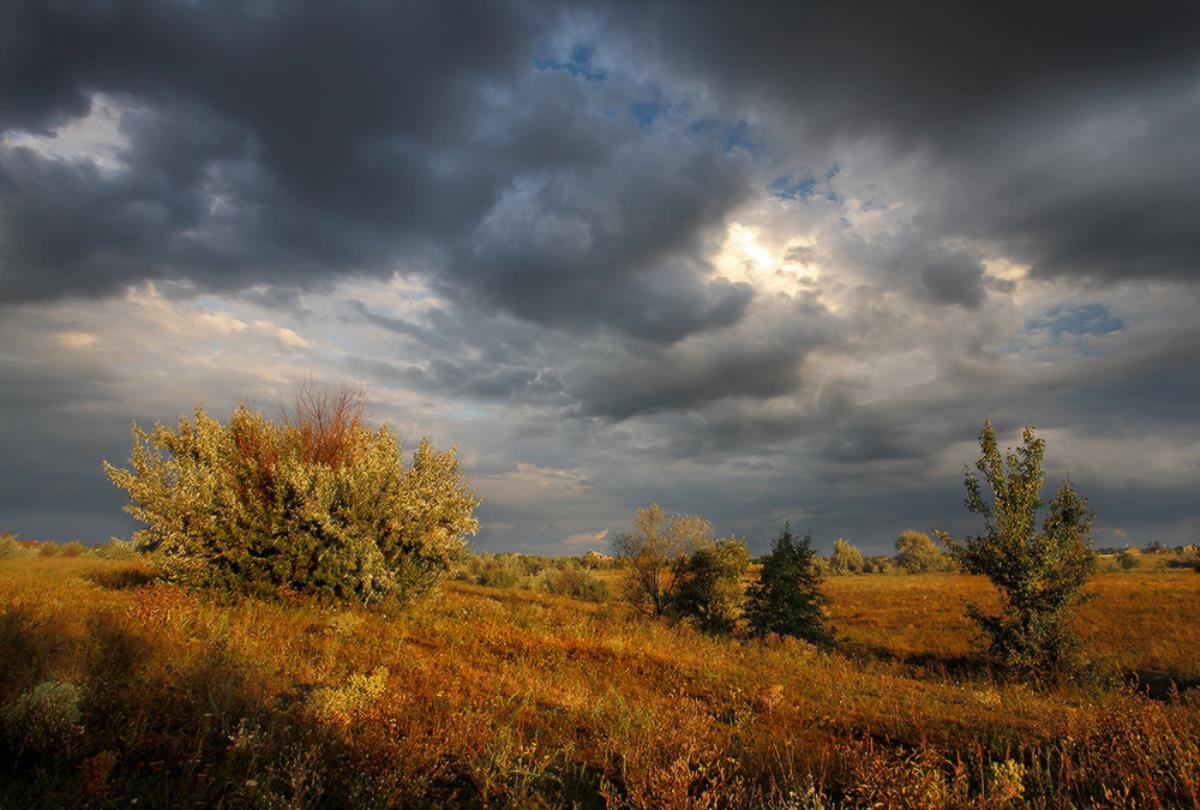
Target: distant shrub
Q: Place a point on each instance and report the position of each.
(846, 559)
(708, 585)
(116, 549)
(1127, 561)
(493, 570)
(10, 548)
(876, 565)
(318, 503)
(787, 599)
(45, 718)
(576, 582)
(48, 548)
(916, 553)
(75, 549)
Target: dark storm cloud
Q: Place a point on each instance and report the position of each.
(287, 145)
(936, 74)
(1068, 130)
(309, 131)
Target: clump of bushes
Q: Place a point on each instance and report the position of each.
(1127, 560)
(493, 570)
(317, 503)
(75, 549)
(675, 567)
(48, 548)
(10, 548)
(916, 553)
(846, 559)
(709, 585)
(575, 582)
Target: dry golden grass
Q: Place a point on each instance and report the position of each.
(1138, 622)
(487, 697)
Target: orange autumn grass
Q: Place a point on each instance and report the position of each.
(488, 697)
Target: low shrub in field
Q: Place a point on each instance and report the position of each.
(1127, 561)
(317, 504)
(916, 553)
(75, 549)
(10, 548)
(117, 550)
(575, 582)
(46, 717)
(48, 548)
(492, 570)
(846, 559)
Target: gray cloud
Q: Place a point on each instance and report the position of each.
(513, 223)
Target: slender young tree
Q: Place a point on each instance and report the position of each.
(1039, 572)
(787, 599)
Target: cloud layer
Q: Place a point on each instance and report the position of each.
(761, 262)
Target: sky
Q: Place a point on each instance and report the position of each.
(757, 262)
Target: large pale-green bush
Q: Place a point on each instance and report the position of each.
(316, 503)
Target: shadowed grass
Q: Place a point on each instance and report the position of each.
(489, 697)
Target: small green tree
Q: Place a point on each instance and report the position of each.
(787, 599)
(846, 558)
(1040, 574)
(653, 551)
(917, 554)
(708, 585)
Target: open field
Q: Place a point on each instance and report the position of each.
(492, 697)
(1137, 622)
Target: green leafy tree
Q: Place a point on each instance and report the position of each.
(1039, 572)
(846, 558)
(708, 585)
(917, 554)
(653, 552)
(318, 503)
(787, 599)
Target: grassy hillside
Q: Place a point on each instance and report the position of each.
(492, 697)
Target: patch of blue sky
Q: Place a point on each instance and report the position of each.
(739, 137)
(1076, 320)
(578, 64)
(806, 185)
(646, 112)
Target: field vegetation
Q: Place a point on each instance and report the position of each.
(118, 685)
